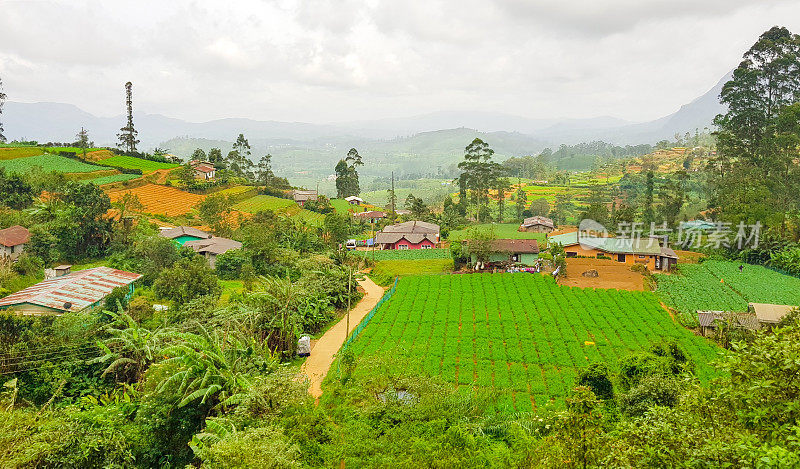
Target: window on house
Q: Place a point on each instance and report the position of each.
(426, 246)
(641, 256)
(402, 246)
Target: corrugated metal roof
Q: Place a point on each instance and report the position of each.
(612, 245)
(370, 214)
(81, 289)
(538, 220)
(417, 227)
(215, 245)
(179, 231)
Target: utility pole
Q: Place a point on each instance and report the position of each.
(394, 199)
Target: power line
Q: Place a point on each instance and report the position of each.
(34, 366)
(44, 354)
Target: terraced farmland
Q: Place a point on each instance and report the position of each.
(48, 162)
(129, 162)
(518, 333)
(8, 153)
(161, 200)
(110, 179)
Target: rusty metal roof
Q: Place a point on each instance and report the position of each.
(14, 236)
(80, 289)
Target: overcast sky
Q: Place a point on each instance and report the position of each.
(341, 60)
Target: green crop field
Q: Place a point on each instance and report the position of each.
(719, 286)
(309, 217)
(384, 272)
(520, 334)
(264, 202)
(501, 230)
(129, 162)
(342, 206)
(56, 163)
(109, 179)
(405, 254)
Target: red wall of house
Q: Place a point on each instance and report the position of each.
(419, 245)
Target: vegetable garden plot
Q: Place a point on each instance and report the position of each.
(518, 333)
(405, 254)
(718, 285)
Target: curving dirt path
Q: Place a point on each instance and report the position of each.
(321, 358)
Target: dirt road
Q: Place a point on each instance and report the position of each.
(321, 358)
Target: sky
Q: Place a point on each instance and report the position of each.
(324, 61)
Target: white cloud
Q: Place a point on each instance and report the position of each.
(337, 60)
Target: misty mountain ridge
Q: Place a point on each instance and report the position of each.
(392, 143)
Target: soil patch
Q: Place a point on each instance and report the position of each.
(610, 274)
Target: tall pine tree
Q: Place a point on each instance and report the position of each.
(83, 141)
(127, 136)
(2, 102)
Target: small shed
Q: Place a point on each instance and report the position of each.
(711, 320)
(303, 196)
(512, 251)
(212, 247)
(537, 225)
(372, 216)
(13, 240)
(354, 200)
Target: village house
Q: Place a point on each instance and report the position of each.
(203, 170)
(648, 252)
(537, 225)
(512, 251)
(69, 291)
(212, 247)
(372, 216)
(302, 196)
(408, 235)
(13, 240)
(354, 200)
(182, 234)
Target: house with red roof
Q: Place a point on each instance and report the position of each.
(203, 170)
(408, 235)
(13, 240)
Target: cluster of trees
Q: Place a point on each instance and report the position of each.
(480, 174)
(346, 171)
(755, 176)
(237, 163)
(143, 386)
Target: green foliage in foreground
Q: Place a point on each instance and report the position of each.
(385, 272)
(519, 333)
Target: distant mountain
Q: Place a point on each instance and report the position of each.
(422, 143)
